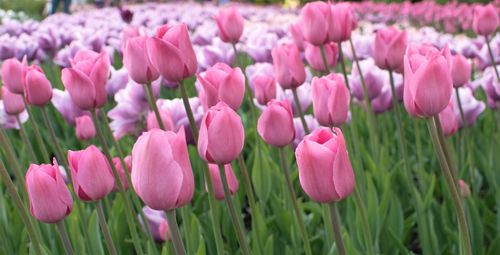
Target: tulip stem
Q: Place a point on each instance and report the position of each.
(176, 234)
(26, 140)
(299, 109)
(12, 160)
(323, 56)
(452, 185)
(36, 130)
(152, 104)
(246, 182)
(461, 109)
(248, 91)
(362, 210)
(64, 238)
(334, 214)
(493, 63)
(105, 228)
(20, 208)
(130, 213)
(189, 111)
(342, 65)
(234, 214)
(295, 204)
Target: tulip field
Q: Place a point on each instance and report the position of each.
(203, 128)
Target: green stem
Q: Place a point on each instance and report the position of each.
(323, 56)
(334, 214)
(248, 91)
(460, 108)
(234, 214)
(59, 152)
(153, 106)
(299, 109)
(293, 199)
(128, 208)
(13, 161)
(446, 150)
(457, 202)
(463, 141)
(105, 228)
(26, 140)
(176, 234)
(38, 135)
(64, 238)
(364, 218)
(342, 65)
(20, 208)
(492, 58)
(189, 111)
(246, 182)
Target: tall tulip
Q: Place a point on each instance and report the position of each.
(37, 88)
(137, 62)
(288, 67)
(12, 103)
(264, 88)
(13, 75)
(275, 125)
(389, 48)
(314, 58)
(486, 20)
(315, 21)
(230, 24)
(460, 70)
(331, 100)
(342, 22)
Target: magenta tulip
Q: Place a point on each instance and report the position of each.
(289, 70)
(325, 171)
(275, 125)
(485, 20)
(389, 49)
(13, 75)
(12, 103)
(221, 135)
(314, 58)
(50, 200)
(161, 171)
(331, 100)
(85, 129)
(137, 62)
(315, 18)
(232, 181)
(460, 70)
(230, 24)
(37, 88)
(264, 88)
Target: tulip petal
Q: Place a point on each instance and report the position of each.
(166, 58)
(80, 88)
(232, 89)
(343, 175)
(97, 180)
(225, 125)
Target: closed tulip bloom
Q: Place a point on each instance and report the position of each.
(86, 79)
(449, 120)
(161, 172)
(298, 38)
(289, 70)
(331, 100)
(13, 75)
(222, 83)
(314, 58)
(342, 22)
(275, 125)
(221, 135)
(427, 80)
(232, 181)
(50, 200)
(485, 21)
(121, 172)
(166, 118)
(389, 49)
(37, 88)
(264, 88)
(325, 171)
(85, 129)
(136, 60)
(12, 103)
(230, 24)
(171, 52)
(91, 172)
(460, 70)
(315, 18)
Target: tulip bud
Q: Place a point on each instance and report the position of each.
(342, 22)
(136, 60)
(221, 135)
(222, 83)
(161, 171)
(460, 70)
(427, 80)
(121, 172)
(232, 181)
(275, 125)
(289, 70)
(264, 88)
(14, 74)
(230, 24)
(325, 171)
(315, 18)
(12, 103)
(331, 100)
(91, 172)
(464, 188)
(449, 120)
(50, 200)
(166, 118)
(314, 58)
(485, 21)
(85, 129)
(298, 38)
(171, 53)
(389, 50)
(37, 87)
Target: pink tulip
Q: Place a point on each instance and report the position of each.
(84, 129)
(166, 118)
(264, 88)
(12, 103)
(325, 171)
(275, 125)
(37, 88)
(427, 80)
(315, 18)
(91, 172)
(342, 22)
(121, 172)
(298, 38)
(13, 75)
(161, 172)
(289, 70)
(389, 49)
(230, 24)
(485, 20)
(137, 62)
(460, 70)
(221, 135)
(86, 79)
(164, 230)
(232, 181)
(171, 52)
(314, 58)
(222, 83)
(127, 33)
(331, 100)
(50, 200)
(449, 120)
